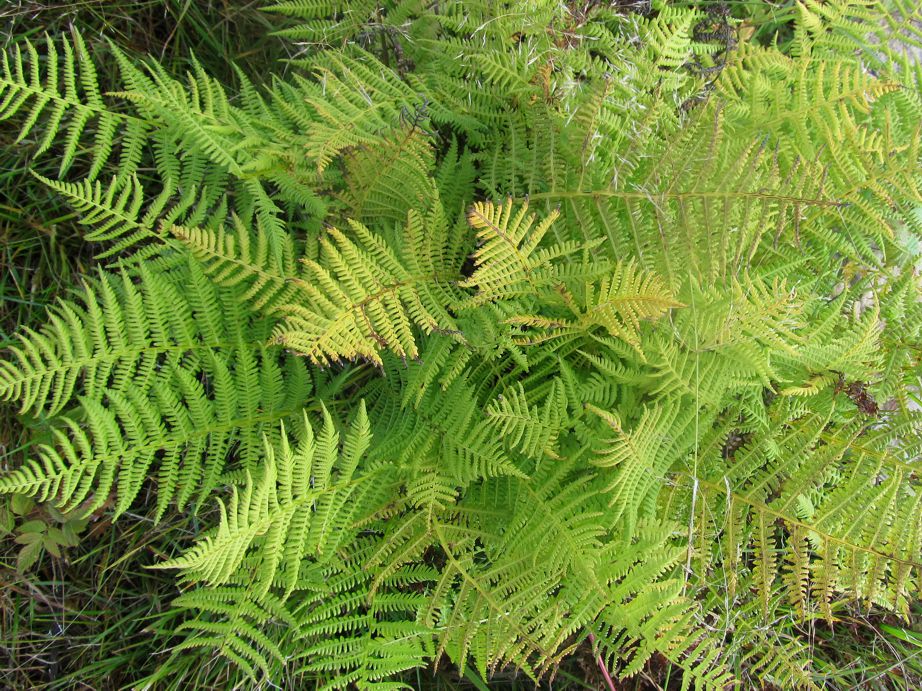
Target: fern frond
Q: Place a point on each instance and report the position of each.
(188, 432)
(67, 104)
(113, 212)
(351, 103)
(355, 636)
(852, 508)
(510, 262)
(618, 304)
(117, 338)
(531, 607)
(442, 441)
(196, 117)
(199, 115)
(530, 429)
(296, 508)
(386, 181)
(265, 265)
(155, 373)
(236, 626)
(364, 296)
(640, 459)
(327, 22)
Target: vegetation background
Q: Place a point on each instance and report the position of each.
(80, 620)
(82, 617)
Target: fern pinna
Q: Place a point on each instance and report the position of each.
(505, 335)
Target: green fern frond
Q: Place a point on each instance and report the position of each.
(118, 337)
(351, 102)
(111, 443)
(66, 104)
(889, 31)
(234, 624)
(618, 304)
(327, 22)
(640, 458)
(264, 265)
(199, 113)
(356, 637)
(530, 429)
(442, 441)
(154, 373)
(296, 508)
(853, 508)
(198, 119)
(390, 179)
(501, 594)
(113, 212)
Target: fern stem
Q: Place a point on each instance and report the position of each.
(601, 663)
(680, 196)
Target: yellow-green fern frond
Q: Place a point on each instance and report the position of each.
(637, 460)
(264, 266)
(510, 261)
(618, 304)
(530, 429)
(363, 296)
(184, 434)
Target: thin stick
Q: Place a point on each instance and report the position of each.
(601, 663)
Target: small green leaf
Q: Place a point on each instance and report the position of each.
(28, 538)
(21, 504)
(53, 547)
(35, 526)
(69, 535)
(6, 521)
(28, 555)
(57, 535)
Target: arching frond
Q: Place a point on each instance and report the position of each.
(185, 431)
(66, 105)
(618, 304)
(530, 429)
(118, 337)
(296, 508)
(365, 295)
(265, 264)
(510, 261)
